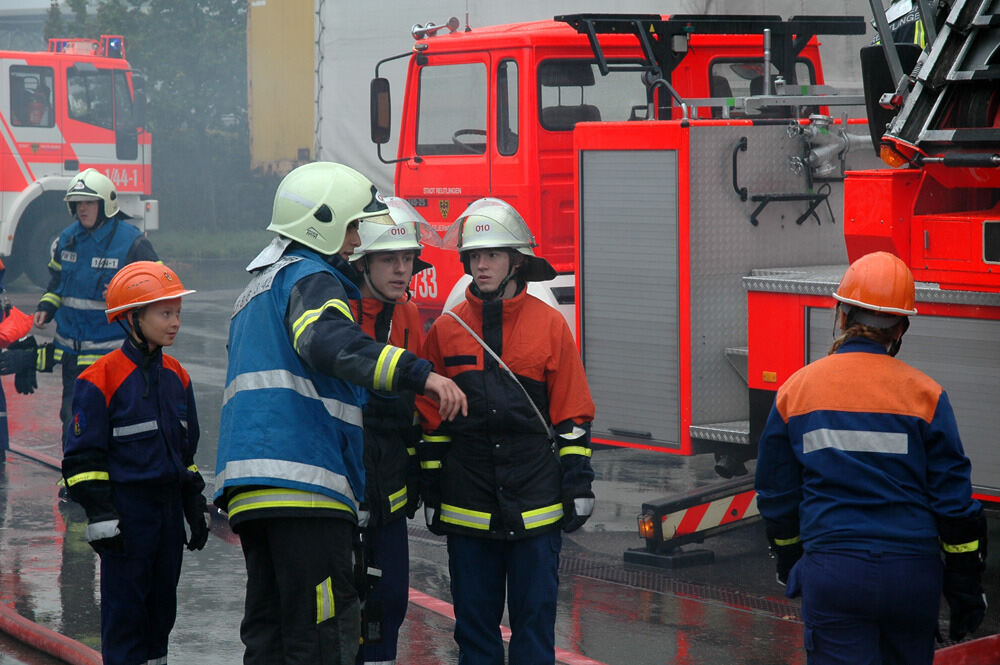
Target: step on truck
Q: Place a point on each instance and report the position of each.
(76, 105)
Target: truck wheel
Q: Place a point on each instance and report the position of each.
(33, 252)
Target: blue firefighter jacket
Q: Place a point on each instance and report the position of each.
(134, 421)
(862, 452)
(82, 263)
(290, 434)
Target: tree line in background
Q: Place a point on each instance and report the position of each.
(193, 55)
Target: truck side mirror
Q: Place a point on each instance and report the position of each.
(381, 111)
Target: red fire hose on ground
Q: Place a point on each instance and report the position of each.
(38, 637)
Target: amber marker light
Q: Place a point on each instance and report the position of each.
(647, 526)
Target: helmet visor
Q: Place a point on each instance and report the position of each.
(403, 213)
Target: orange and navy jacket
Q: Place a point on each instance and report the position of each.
(134, 421)
(497, 473)
(862, 452)
(390, 424)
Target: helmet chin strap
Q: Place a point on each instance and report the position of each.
(498, 292)
(135, 332)
(378, 294)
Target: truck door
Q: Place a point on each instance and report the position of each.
(451, 139)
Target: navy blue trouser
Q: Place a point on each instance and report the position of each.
(389, 548)
(483, 572)
(861, 608)
(139, 587)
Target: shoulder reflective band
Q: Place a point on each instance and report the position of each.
(542, 516)
(472, 519)
(89, 475)
(324, 601)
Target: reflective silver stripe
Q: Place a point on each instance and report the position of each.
(138, 428)
(109, 345)
(324, 601)
(855, 441)
(385, 368)
(397, 500)
(542, 516)
(283, 379)
(283, 498)
(84, 303)
(285, 470)
(474, 519)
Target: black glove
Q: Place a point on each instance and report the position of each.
(964, 542)
(412, 502)
(45, 358)
(576, 512)
(964, 592)
(105, 537)
(19, 360)
(786, 548)
(195, 508)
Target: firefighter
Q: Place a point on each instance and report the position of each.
(128, 459)
(503, 480)
(84, 258)
(861, 468)
(290, 468)
(386, 259)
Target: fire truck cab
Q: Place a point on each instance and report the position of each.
(75, 106)
(491, 111)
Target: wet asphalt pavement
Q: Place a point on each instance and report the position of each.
(730, 611)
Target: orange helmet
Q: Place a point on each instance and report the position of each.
(139, 284)
(880, 282)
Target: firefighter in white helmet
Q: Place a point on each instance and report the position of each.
(85, 257)
(290, 469)
(504, 481)
(386, 259)
(861, 467)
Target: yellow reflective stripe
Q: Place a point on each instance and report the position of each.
(431, 464)
(87, 475)
(397, 500)
(283, 498)
(960, 548)
(436, 438)
(52, 299)
(309, 317)
(57, 354)
(541, 516)
(193, 468)
(324, 601)
(55, 265)
(473, 519)
(411, 451)
(782, 542)
(385, 367)
(575, 450)
(89, 359)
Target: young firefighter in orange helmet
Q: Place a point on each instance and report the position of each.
(386, 259)
(128, 459)
(860, 467)
(502, 481)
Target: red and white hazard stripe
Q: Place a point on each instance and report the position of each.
(709, 515)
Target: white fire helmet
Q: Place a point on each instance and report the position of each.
(404, 230)
(492, 223)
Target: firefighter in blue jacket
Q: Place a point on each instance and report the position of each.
(290, 468)
(504, 481)
(386, 260)
(860, 467)
(84, 258)
(128, 459)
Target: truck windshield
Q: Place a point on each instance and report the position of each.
(99, 97)
(572, 91)
(452, 116)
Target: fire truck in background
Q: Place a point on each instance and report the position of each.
(659, 160)
(75, 106)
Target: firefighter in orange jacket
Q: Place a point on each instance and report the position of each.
(502, 481)
(386, 259)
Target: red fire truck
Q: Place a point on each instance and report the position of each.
(75, 106)
(491, 111)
